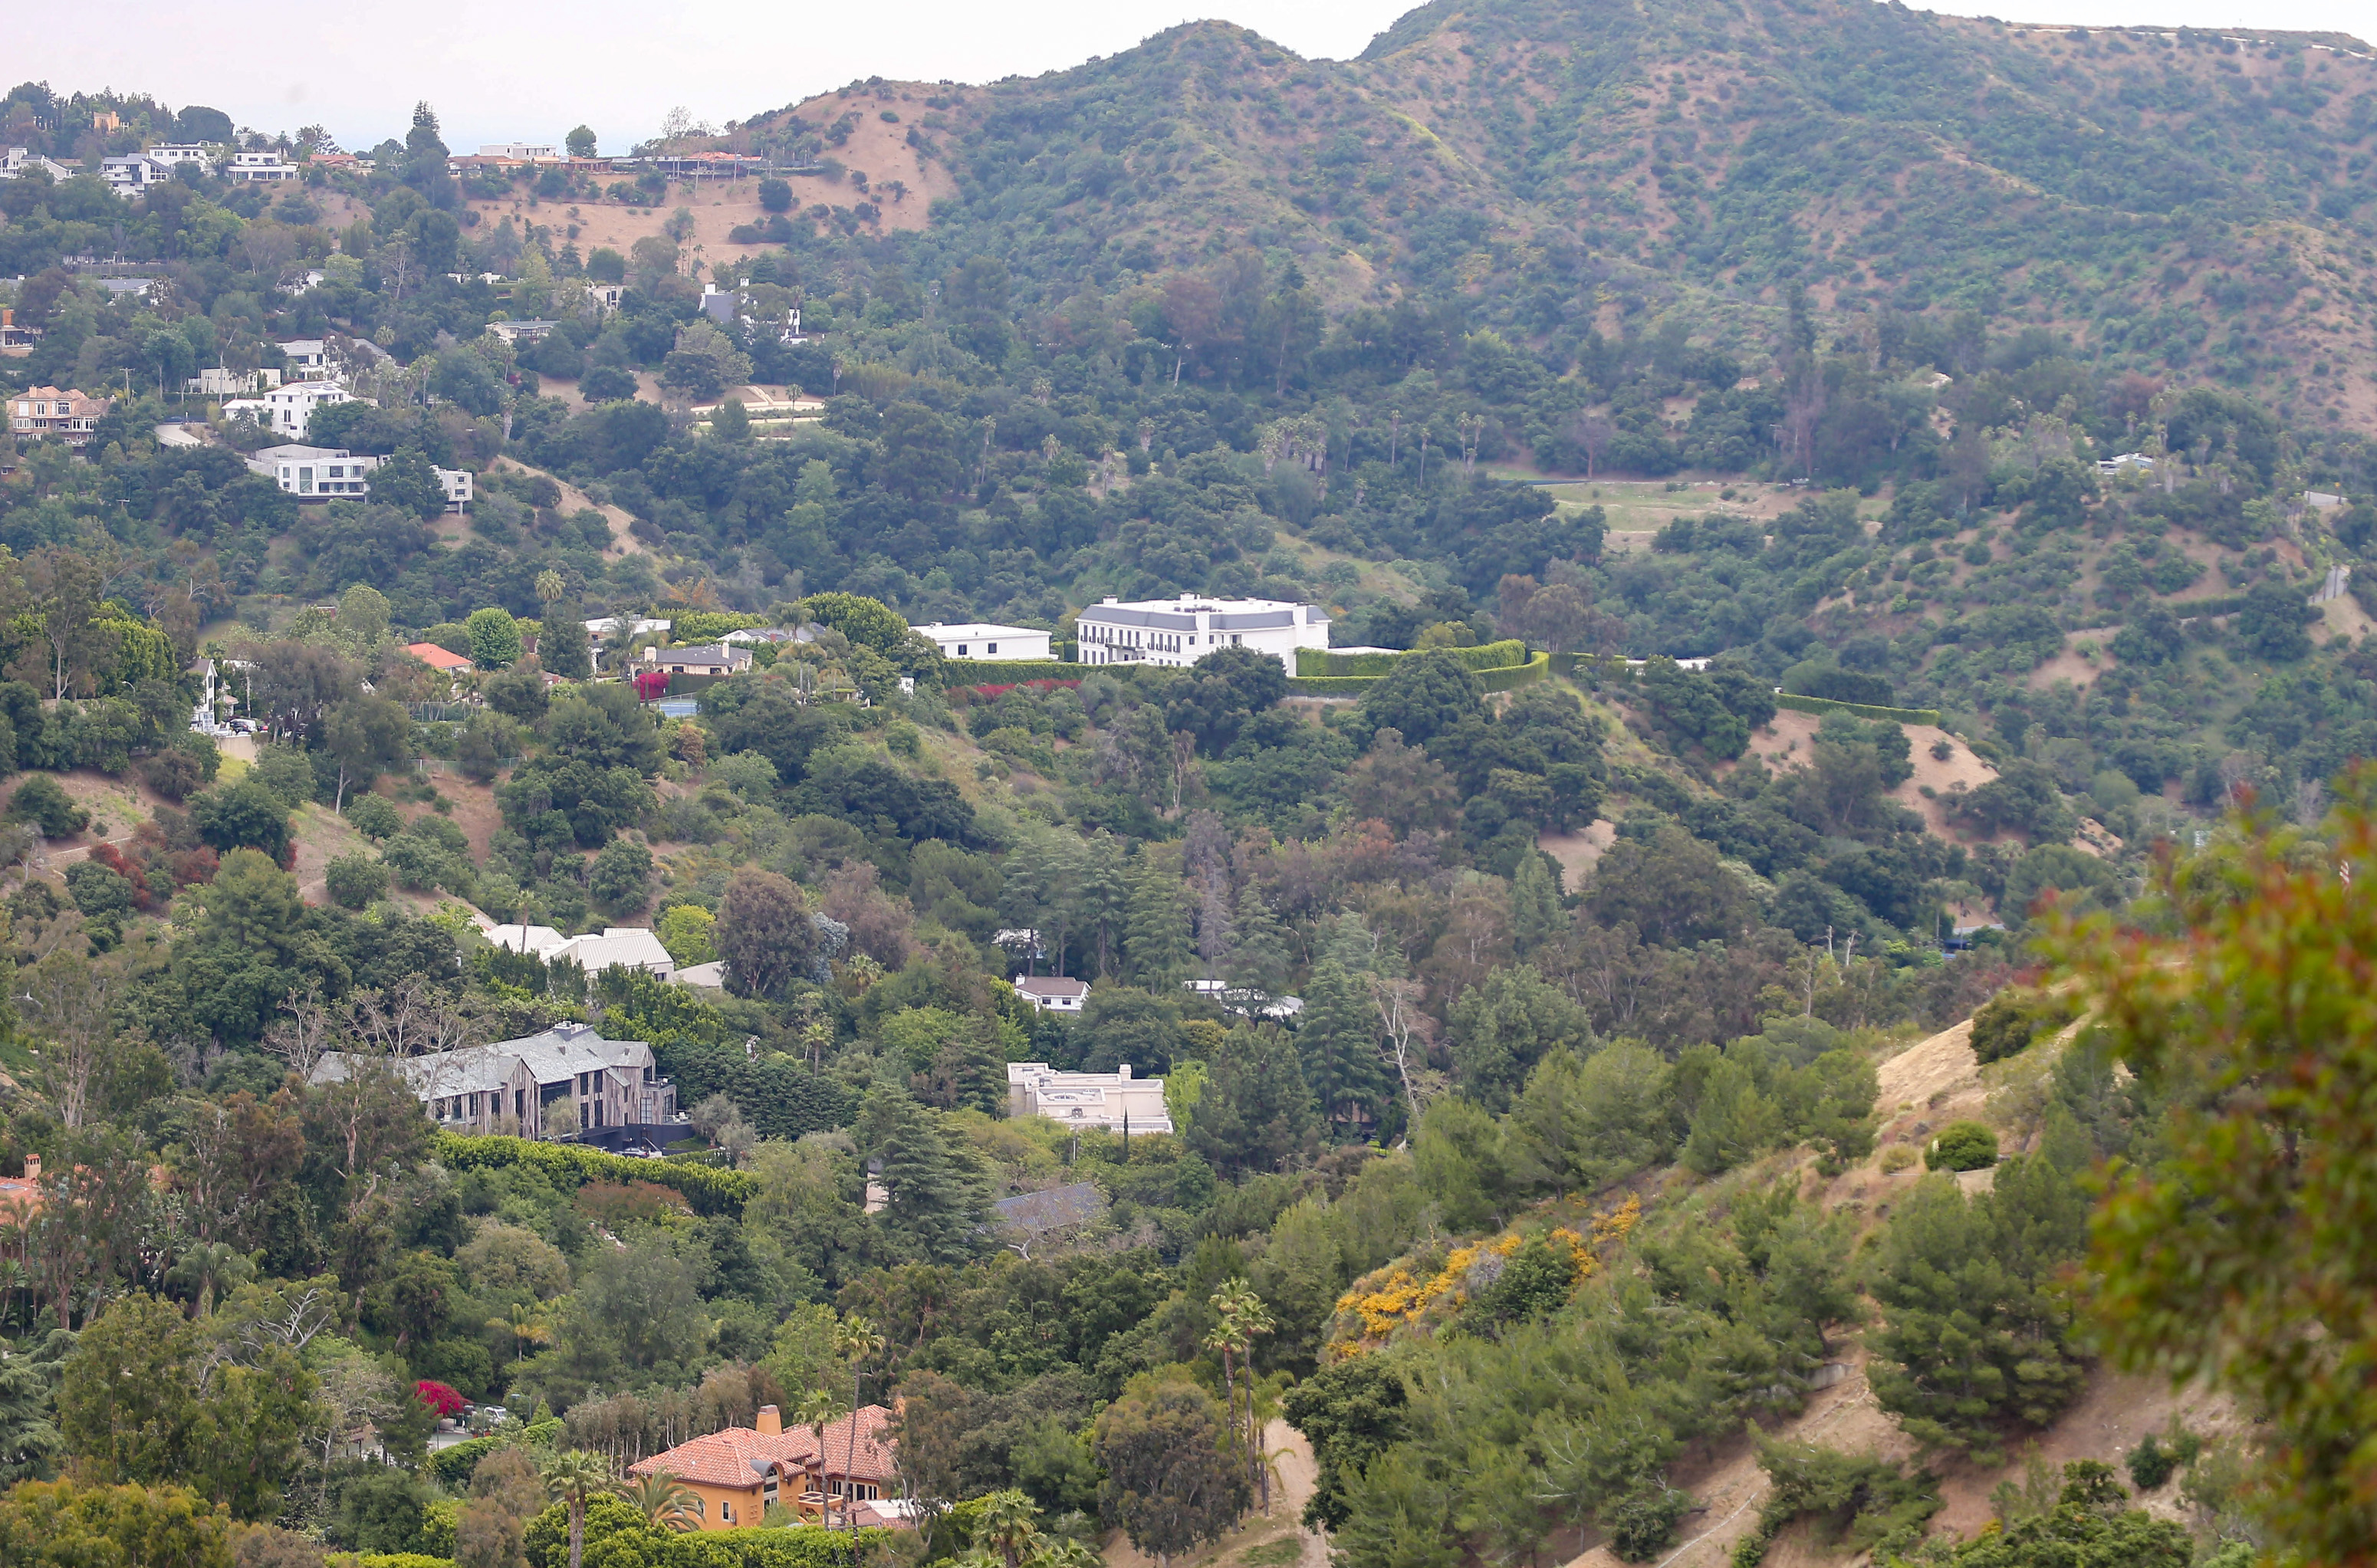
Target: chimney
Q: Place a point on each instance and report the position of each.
(771, 1422)
(32, 1168)
(8, 317)
(1123, 1072)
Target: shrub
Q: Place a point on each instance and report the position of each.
(355, 881)
(1962, 1146)
(44, 802)
(2009, 1022)
(245, 815)
(1895, 1158)
(374, 817)
(2150, 1463)
(173, 773)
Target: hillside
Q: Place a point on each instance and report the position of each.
(2173, 202)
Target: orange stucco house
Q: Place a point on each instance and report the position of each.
(737, 1472)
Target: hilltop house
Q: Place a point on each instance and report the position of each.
(315, 474)
(1180, 631)
(621, 947)
(514, 1084)
(738, 1472)
(975, 640)
(1053, 993)
(66, 416)
(702, 659)
(1115, 1101)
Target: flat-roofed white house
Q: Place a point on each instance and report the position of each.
(316, 473)
(976, 639)
(287, 410)
(515, 1083)
(1115, 1101)
(260, 168)
(1053, 993)
(1181, 631)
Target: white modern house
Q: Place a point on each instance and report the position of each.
(625, 946)
(173, 155)
(132, 174)
(1115, 1101)
(514, 1084)
(975, 640)
(634, 626)
(259, 167)
(1053, 993)
(288, 409)
(316, 473)
(324, 473)
(521, 151)
(1181, 631)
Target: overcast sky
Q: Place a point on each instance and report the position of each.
(535, 69)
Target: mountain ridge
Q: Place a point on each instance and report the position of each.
(2172, 200)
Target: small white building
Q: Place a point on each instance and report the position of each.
(218, 382)
(975, 640)
(1180, 631)
(259, 167)
(1112, 1101)
(174, 153)
(634, 626)
(456, 483)
(1053, 993)
(523, 152)
(317, 474)
(622, 947)
(288, 409)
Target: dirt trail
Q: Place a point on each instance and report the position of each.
(573, 499)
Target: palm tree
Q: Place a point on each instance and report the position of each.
(526, 1327)
(665, 1502)
(571, 1477)
(1244, 1320)
(854, 1337)
(817, 1408)
(1009, 1525)
(550, 586)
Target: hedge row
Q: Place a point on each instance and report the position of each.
(1513, 675)
(1322, 664)
(1862, 710)
(1007, 672)
(2223, 604)
(453, 1465)
(709, 1190)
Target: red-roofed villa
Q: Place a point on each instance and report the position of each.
(737, 1472)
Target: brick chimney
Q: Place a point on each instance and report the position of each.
(771, 1422)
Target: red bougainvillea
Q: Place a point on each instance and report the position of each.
(439, 1397)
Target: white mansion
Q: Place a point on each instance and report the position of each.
(1181, 631)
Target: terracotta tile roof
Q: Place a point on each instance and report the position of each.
(436, 658)
(723, 1458)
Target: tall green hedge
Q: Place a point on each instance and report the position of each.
(708, 1189)
(1007, 672)
(1324, 663)
(1862, 710)
(1510, 676)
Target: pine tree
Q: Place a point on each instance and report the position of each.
(1156, 939)
(1257, 946)
(1534, 903)
(1257, 1111)
(1339, 1041)
(937, 1200)
(1103, 898)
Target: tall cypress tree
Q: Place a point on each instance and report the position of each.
(1257, 946)
(1339, 1042)
(1534, 903)
(1156, 939)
